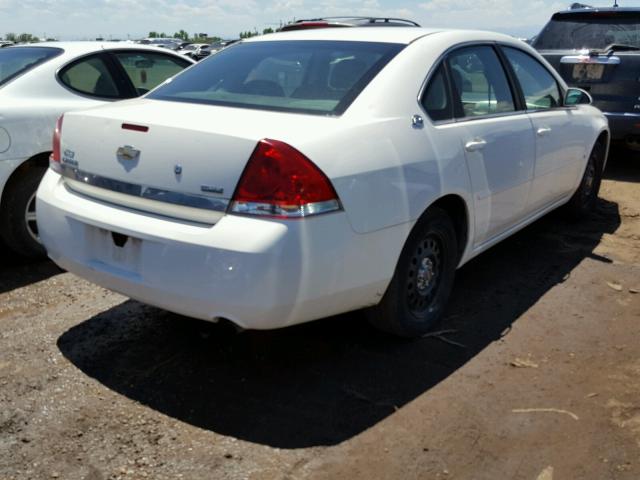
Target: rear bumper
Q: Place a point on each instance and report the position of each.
(258, 273)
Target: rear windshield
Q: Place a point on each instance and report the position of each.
(316, 77)
(17, 60)
(593, 31)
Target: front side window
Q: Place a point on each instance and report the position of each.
(147, 70)
(15, 61)
(436, 100)
(479, 82)
(321, 77)
(91, 76)
(539, 87)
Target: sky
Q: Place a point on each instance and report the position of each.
(87, 19)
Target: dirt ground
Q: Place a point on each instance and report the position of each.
(538, 379)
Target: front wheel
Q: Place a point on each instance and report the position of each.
(584, 199)
(417, 295)
(18, 226)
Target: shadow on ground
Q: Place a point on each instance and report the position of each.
(325, 382)
(17, 272)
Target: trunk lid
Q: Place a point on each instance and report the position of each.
(190, 155)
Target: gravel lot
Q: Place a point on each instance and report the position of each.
(539, 377)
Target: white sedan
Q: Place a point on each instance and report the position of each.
(38, 83)
(304, 174)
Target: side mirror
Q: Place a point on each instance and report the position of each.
(577, 96)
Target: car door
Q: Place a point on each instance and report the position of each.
(496, 136)
(559, 130)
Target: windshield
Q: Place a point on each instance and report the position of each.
(17, 60)
(321, 77)
(589, 32)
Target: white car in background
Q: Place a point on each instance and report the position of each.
(192, 50)
(304, 174)
(38, 83)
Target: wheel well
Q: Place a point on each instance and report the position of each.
(456, 208)
(39, 160)
(603, 139)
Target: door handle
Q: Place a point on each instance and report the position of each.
(542, 131)
(475, 145)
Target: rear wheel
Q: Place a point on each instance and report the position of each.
(18, 226)
(584, 199)
(417, 295)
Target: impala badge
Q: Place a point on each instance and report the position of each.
(212, 189)
(127, 152)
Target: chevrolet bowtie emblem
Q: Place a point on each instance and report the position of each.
(127, 152)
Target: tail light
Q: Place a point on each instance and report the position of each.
(56, 156)
(281, 182)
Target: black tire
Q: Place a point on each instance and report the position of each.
(584, 199)
(418, 293)
(17, 232)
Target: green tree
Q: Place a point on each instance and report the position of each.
(267, 30)
(182, 35)
(153, 35)
(248, 34)
(11, 37)
(27, 38)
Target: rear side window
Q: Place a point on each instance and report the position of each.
(539, 87)
(90, 76)
(479, 82)
(147, 70)
(15, 61)
(320, 77)
(436, 100)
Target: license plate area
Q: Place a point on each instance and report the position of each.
(587, 72)
(113, 249)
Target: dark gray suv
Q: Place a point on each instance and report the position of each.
(598, 50)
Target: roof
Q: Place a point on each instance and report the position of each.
(588, 11)
(400, 35)
(403, 35)
(73, 49)
(78, 48)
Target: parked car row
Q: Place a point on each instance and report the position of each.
(195, 51)
(307, 173)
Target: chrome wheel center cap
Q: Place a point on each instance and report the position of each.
(425, 275)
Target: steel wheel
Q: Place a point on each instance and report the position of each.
(425, 271)
(18, 227)
(30, 218)
(589, 178)
(423, 279)
(585, 197)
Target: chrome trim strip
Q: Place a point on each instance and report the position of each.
(473, 43)
(622, 114)
(280, 211)
(198, 208)
(576, 59)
